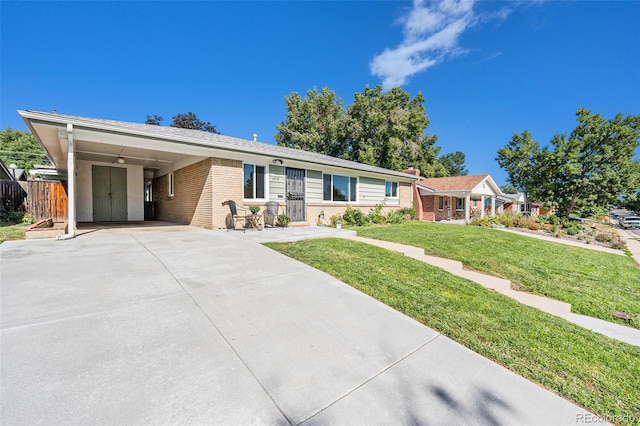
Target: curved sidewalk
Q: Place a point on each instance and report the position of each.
(551, 306)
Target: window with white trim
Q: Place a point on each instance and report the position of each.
(339, 188)
(391, 189)
(459, 203)
(171, 185)
(254, 181)
(440, 203)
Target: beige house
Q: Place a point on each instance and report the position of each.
(121, 171)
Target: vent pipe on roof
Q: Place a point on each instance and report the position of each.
(255, 137)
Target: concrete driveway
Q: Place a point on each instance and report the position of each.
(207, 327)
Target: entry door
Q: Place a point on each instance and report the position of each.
(295, 195)
(109, 185)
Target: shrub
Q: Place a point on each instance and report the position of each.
(354, 217)
(604, 237)
(12, 217)
(333, 220)
(481, 221)
(408, 212)
(543, 219)
(574, 229)
(395, 217)
(376, 215)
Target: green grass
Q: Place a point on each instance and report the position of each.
(596, 372)
(593, 282)
(11, 232)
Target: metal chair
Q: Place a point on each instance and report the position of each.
(271, 213)
(233, 218)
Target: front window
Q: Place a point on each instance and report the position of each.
(459, 203)
(171, 184)
(254, 178)
(339, 188)
(391, 189)
(441, 203)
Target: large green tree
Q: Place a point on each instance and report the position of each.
(314, 123)
(380, 129)
(184, 121)
(21, 148)
(585, 172)
(454, 163)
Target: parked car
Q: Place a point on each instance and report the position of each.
(631, 222)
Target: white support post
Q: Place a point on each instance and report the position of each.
(467, 202)
(482, 206)
(71, 182)
(493, 206)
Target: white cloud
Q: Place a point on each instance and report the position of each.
(431, 32)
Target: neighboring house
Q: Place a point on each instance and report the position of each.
(5, 173)
(114, 168)
(11, 172)
(517, 203)
(457, 197)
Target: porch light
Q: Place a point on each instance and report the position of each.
(121, 160)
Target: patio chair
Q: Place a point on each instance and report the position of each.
(271, 213)
(233, 218)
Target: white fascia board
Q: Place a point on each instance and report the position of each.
(196, 146)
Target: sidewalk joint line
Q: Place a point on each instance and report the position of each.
(217, 329)
(387, 368)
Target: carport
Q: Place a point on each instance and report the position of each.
(109, 172)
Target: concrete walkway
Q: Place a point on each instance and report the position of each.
(565, 242)
(208, 327)
(633, 243)
(545, 304)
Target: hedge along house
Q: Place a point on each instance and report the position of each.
(114, 167)
(457, 198)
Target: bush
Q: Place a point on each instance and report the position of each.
(408, 212)
(333, 220)
(481, 221)
(604, 237)
(395, 217)
(376, 215)
(574, 229)
(354, 217)
(13, 218)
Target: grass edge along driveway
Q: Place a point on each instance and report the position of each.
(594, 371)
(593, 282)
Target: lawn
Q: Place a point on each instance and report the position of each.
(596, 372)
(11, 232)
(594, 283)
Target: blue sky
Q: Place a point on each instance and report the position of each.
(487, 69)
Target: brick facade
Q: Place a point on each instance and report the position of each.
(191, 202)
(200, 189)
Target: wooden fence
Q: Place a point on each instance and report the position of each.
(12, 196)
(46, 199)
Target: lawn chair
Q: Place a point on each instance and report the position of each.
(233, 218)
(271, 213)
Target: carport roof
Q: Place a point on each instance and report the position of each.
(189, 137)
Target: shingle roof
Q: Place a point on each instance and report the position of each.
(216, 141)
(454, 183)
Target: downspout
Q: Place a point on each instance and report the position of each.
(71, 186)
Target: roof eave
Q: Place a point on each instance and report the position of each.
(27, 116)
